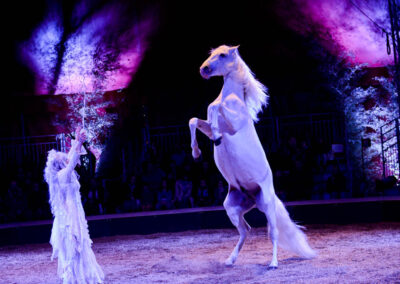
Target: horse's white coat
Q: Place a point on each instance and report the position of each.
(240, 156)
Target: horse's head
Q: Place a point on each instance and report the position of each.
(220, 62)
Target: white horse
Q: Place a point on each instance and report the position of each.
(239, 155)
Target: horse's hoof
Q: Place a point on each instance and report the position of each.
(198, 159)
(196, 154)
(272, 267)
(229, 262)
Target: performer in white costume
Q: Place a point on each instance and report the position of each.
(70, 236)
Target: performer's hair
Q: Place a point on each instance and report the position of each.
(56, 161)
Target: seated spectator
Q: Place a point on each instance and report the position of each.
(164, 197)
(209, 174)
(171, 173)
(220, 193)
(320, 152)
(179, 156)
(153, 176)
(92, 203)
(147, 198)
(300, 186)
(336, 182)
(320, 178)
(203, 194)
(134, 189)
(183, 192)
(305, 155)
(292, 148)
(281, 160)
(38, 201)
(16, 203)
(109, 203)
(281, 183)
(131, 204)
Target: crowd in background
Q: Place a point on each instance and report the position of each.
(301, 170)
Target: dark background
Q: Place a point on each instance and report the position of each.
(168, 82)
(280, 59)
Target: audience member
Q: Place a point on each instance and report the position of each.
(131, 204)
(134, 188)
(300, 171)
(147, 198)
(179, 156)
(152, 176)
(183, 192)
(92, 203)
(171, 173)
(16, 203)
(336, 182)
(37, 201)
(203, 194)
(164, 197)
(220, 193)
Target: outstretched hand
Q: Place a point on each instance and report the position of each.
(80, 134)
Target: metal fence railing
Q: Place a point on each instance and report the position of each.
(272, 131)
(32, 150)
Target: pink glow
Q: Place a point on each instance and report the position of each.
(344, 29)
(102, 55)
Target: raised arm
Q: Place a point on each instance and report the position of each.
(73, 155)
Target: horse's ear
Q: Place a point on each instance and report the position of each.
(233, 49)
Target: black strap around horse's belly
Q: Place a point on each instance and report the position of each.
(217, 142)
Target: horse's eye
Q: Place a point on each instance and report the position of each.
(222, 55)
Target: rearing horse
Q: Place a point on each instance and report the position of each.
(239, 155)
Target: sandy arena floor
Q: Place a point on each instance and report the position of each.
(364, 253)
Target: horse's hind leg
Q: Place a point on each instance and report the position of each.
(236, 205)
(265, 202)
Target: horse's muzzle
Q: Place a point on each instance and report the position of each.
(205, 72)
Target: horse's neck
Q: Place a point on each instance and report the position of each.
(232, 86)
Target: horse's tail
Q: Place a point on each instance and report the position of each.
(291, 237)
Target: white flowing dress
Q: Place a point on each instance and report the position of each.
(70, 236)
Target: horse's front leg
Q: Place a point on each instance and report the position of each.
(203, 126)
(213, 113)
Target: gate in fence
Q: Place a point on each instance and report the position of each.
(390, 142)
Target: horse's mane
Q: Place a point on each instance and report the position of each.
(255, 93)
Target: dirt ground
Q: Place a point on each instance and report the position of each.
(362, 253)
